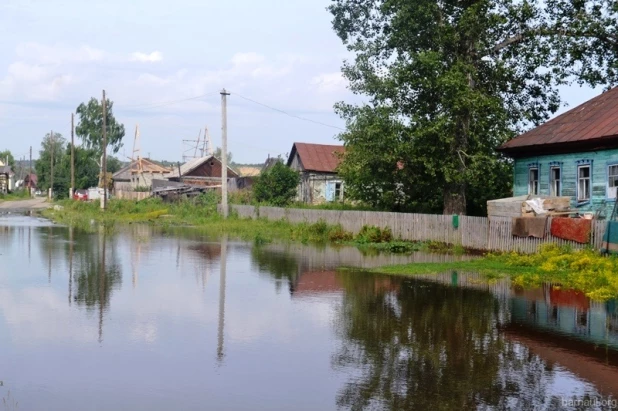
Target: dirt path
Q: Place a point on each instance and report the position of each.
(37, 203)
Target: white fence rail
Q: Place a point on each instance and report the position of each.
(479, 233)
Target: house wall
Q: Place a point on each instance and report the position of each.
(313, 187)
(600, 160)
(137, 180)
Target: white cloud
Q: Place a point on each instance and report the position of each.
(330, 82)
(33, 82)
(59, 53)
(153, 57)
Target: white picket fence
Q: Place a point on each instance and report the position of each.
(479, 233)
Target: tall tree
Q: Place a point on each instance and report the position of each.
(453, 80)
(43, 164)
(6, 154)
(90, 128)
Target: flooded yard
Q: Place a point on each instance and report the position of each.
(152, 319)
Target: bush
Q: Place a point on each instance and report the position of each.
(372, 234)
(277, 185)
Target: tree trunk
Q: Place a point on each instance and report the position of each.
(455, 198)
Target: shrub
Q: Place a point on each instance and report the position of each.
(277, 185)
(372, 234)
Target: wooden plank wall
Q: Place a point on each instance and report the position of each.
(479, 233)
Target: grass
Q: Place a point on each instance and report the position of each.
(15, 195)
(201, 213)
(583, 270)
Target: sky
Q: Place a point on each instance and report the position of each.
(163, 65)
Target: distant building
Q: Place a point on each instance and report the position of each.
(317, 165)
(574, 155)
(7, 178)
(138, 173)
(204, 171)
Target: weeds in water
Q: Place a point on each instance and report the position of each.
(9, 402)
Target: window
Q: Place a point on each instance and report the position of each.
(612, 181)
(555, 181)
(533, 181)
(338, 191)
(583, 183)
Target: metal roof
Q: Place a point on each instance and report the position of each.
(317, 157)
(148, 166)
(191, 165)
(595, 120)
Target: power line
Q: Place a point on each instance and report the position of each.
(167, 103)
(288, 114)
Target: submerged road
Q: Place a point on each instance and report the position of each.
(38, 203)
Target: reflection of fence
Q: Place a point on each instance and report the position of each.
(479, 233)
(131, 195)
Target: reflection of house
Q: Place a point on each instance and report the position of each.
(573, 155)
(204, 171)
(313, 283)
(584, 359)
(138, 173)
(317, 165)
(567, 312)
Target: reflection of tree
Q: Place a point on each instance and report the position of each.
(280, 266)
(430, 346)
(96, 277)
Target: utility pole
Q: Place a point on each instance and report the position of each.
(104, 162)
(72, 189)
(30, 174)
(224, 206)
(51, 178)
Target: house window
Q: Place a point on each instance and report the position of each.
(533, 181)
(612, 181)
(555, 181)
(583, 183)
(338, 191)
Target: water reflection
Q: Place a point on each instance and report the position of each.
(180, 337)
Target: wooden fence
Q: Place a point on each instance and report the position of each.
(479, 233)
(131, 195)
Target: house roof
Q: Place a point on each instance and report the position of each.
(248, 171)
(317, 157)
(31, 178)
(191, 165)
(148, 166)
(593, 123)
(6, 170)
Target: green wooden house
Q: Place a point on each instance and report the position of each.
(574, 154)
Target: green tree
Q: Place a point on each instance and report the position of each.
(86, 171)
(90, 128)
(277, 185)
(218, 154)
(43, 164)
(7, 154)
(113, 164)
(451, 81)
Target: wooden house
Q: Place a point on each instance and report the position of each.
(204, 171)
(138, 174)
(7, 179)
(574, 155)
(317, 165)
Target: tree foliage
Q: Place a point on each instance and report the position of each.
(277, 185)
(57, 144)
(90, 126)
(6, 154)
(451, 81)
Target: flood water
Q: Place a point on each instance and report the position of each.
(151, 319)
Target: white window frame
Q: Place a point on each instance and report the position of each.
(533, 185)
(339, 196)
(554, 190)
(580, 197)
(612, 183)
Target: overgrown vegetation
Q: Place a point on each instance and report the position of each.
(15, 195)
(277, 185)
(201, 212)
(584, 270)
